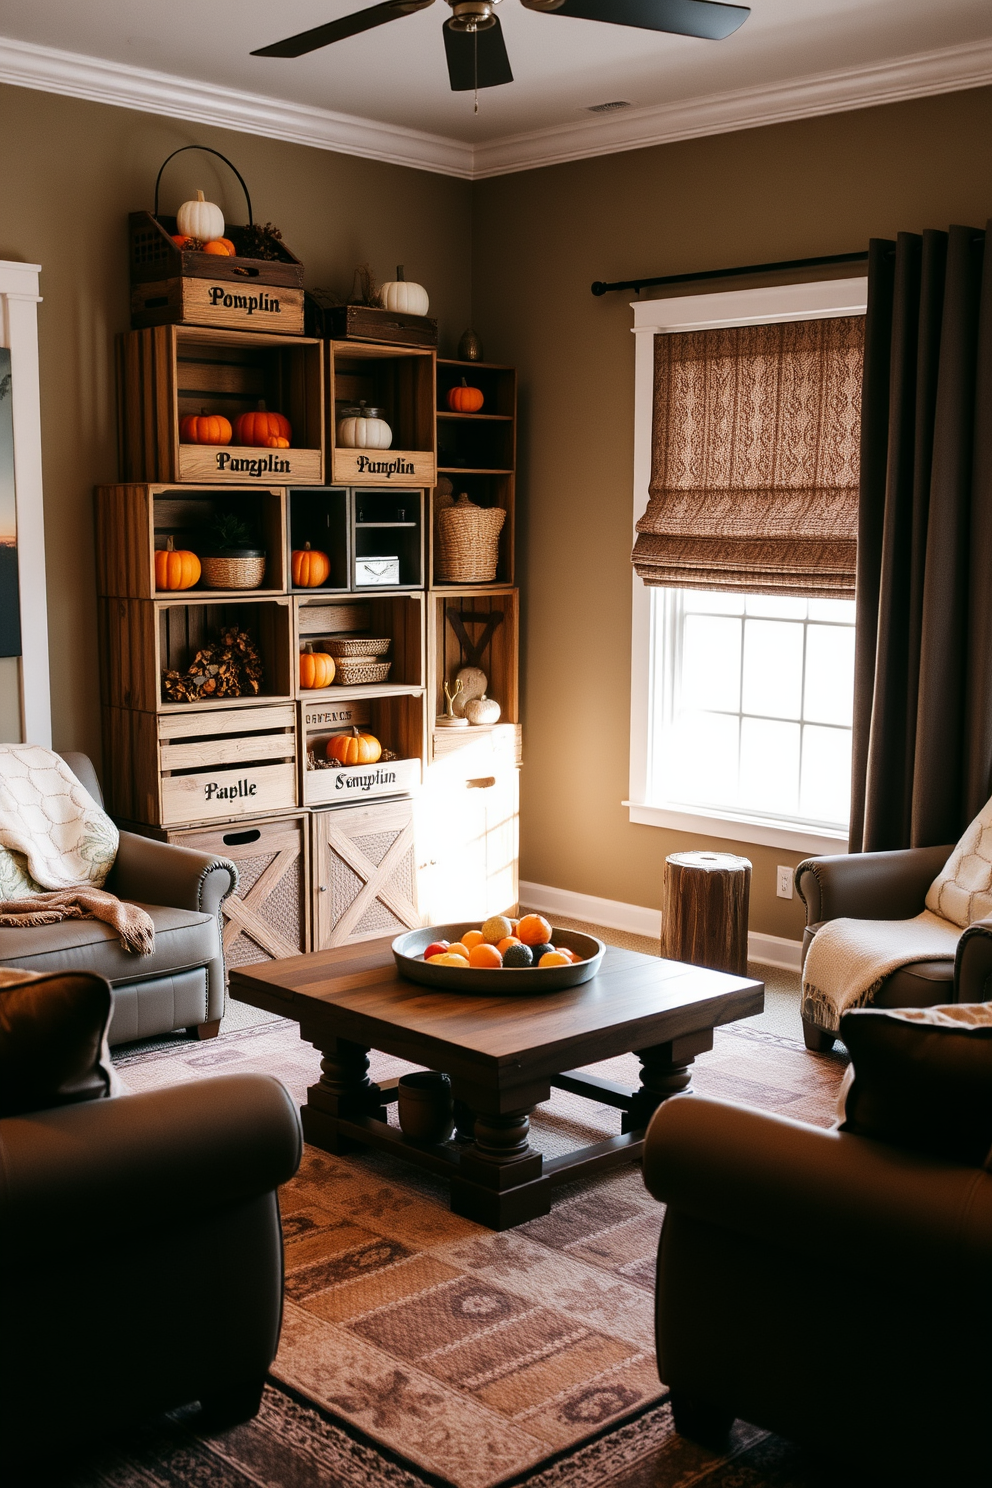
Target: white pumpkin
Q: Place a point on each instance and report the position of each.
(361, 432)
(200, 219)
(482, 710)
(404, 296)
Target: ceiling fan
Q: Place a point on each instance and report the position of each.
(473, 38)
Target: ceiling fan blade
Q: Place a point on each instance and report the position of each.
(351, 25)
(704, 18)
(476, 59)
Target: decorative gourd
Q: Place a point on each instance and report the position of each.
(470, 683)
(205, 428)
(200, 219)
(465, 399)
(355, 748)
(275, 441)
(176, 568)
(482, 710)
(404, 296)
(223, 247)
(364, 430)
(316, 668)
(310, 567)
(256, 428)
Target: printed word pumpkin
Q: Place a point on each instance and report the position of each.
(176, 568)
(355, 748)
(200, 219)
(256, 428)
(316, 668)
(403, 296)
(465, 399)
(205, 428)
(310, 567)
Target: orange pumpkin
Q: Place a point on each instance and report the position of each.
(355, 748)
(176, 568)
(275, 441)
(310, 567)
(223, 247)
(465, 399)
(205, 428)
(256, 428)
(181, 240)
(316, 668)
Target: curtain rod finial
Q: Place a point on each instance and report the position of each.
(599, 288)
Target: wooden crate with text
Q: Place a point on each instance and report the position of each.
(364, 873)
(399, 380)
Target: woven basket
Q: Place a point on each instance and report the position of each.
(233, 573)
(468, 542)
(341, 647)
(359, 671)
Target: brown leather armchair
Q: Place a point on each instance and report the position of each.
(893, 886)
(764, 1211)
(141, 1259)
(182, 983)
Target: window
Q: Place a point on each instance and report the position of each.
(740, 702)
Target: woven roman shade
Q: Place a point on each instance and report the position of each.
(755, 452)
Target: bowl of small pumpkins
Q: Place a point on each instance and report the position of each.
(502, 956)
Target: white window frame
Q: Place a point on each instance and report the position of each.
(770, 305)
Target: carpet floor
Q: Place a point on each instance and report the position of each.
(422, 1349)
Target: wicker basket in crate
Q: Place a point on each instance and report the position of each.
(343, 647)
(359, 671)
(468, 542)
(234, 573)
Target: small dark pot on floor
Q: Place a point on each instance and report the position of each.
(426, 1110)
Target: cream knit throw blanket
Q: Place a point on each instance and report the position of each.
(54, 836)
(849, 959)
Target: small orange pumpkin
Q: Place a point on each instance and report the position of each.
(256, 428)
(223, 247)
(183, 240)
(465, 399)
(275, 441)
(316, 668)
(175, 568)
(355, 748)
(310, 567)
(205, 428)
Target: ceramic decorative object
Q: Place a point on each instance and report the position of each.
(470, 683)
(362, 427)
(482, 710)
(470, 347)
(425, 1107)
(451, 718)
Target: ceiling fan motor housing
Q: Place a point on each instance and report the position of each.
(472, 15)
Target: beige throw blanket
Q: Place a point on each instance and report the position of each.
(54, 836)
(849, 960)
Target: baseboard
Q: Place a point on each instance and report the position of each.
(637, 919)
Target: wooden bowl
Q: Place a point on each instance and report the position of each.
(513, 981)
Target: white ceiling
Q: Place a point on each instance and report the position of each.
(396, 74)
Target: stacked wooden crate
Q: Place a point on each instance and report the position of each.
(326, 856)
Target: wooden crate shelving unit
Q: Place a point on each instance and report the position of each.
(477, 452)
(168, 371)
(401, 381)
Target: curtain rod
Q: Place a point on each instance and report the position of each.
(599, 288)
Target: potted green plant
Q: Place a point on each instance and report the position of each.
(232, 558)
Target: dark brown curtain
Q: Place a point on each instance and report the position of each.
(922, 757)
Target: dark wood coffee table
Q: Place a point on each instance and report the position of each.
(503, 1054)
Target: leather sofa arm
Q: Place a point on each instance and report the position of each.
(154, 872)
(107, 1169)
(826, 1194)
(973, 963)
(869, 886)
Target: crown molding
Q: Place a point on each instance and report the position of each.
(947, 70)
(51, 71)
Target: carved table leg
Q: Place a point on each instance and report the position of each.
(498, 1180)
(344, 1090)
(664, 1071)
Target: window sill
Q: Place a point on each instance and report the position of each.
(739, 828)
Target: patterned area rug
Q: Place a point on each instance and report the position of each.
(420, 1348)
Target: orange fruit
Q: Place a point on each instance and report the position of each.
(496, 928)
(458, 949)
(572, 955)
(506, 943)
(555, 958)
(533, 930)
(472, 938)
(484, 955)
(513, 924)
(449, 960)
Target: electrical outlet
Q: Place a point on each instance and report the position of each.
(783, 882)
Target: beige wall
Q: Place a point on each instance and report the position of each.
(540, 239)
(69, 174)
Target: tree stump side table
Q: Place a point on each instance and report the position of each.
(704, 918)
